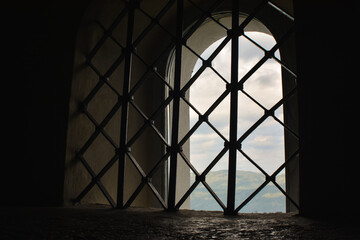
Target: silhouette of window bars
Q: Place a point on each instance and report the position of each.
(177, 93)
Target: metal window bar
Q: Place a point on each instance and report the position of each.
(174, 148)
(176, 106)
(125, 106)
(233, 107)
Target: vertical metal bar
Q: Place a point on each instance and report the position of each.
(176, 107)
(233, 110)
(125, 106)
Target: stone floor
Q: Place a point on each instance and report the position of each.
(135, 223)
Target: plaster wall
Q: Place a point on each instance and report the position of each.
(147, 149)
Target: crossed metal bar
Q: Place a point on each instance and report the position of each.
(174, 148)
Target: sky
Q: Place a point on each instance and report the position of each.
(266, 144)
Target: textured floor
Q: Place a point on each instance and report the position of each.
(103, 223)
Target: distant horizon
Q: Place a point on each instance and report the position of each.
(239, 170)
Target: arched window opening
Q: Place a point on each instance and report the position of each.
(265, 146)
(263, 175)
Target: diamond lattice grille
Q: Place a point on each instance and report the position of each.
(128, 64)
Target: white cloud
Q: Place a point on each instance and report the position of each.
(266, 85)
(206, 89)
(266, 145)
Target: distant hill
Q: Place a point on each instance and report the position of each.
(269, 199)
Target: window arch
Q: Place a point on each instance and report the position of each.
(128, 96)
(209, 32)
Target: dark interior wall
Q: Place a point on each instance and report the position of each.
(39, 41)
(38, 45)
(325, 38)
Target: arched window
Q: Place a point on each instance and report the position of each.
(139, 100)
(262, 148)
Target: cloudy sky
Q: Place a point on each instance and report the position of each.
(266, 144)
